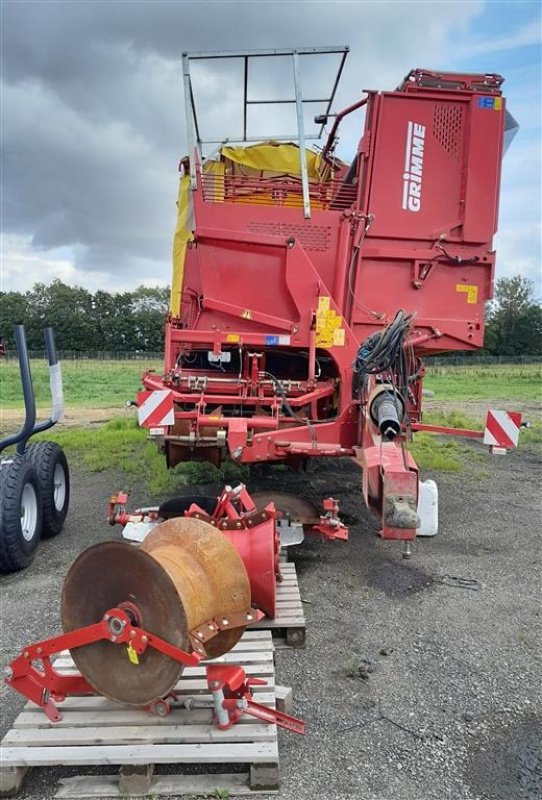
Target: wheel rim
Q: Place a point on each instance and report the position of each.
(29, 512)
(59, 490)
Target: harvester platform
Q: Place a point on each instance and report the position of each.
(95, 731)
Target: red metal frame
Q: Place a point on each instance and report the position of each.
(254, 535)
(32, 674)
(410, 226)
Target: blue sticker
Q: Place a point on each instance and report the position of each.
(490, 102)
(273, 340)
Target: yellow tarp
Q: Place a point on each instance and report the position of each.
(183, 234)
(273, 157)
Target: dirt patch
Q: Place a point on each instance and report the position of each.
(398, 579)
(477, 409)
(74, 416)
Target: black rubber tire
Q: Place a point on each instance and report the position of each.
(16, 551)
(176, 506)
(46, 457)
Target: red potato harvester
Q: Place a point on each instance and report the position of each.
(306, 291)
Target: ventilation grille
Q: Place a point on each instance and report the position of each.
(448, 127)
(311, 237)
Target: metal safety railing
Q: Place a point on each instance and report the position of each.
(195, 138)
(277, 191)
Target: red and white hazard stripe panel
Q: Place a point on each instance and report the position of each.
(155, 409)
(502, 428)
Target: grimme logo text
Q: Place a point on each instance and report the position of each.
(412, 177)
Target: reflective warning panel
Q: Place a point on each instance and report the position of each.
(155, 408)
(502, 428)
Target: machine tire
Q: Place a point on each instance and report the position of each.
(51, 465)
(176, 506)
(20, 513)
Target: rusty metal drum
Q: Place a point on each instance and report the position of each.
(185, 573)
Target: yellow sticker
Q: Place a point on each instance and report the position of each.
(470, 290)
(328, 325)
(246, 314)
(321, 317)
(132, 655)
(333, 321)
(233, 337)
(497, 103)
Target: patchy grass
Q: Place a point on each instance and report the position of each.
(120, 444)
(444, 455)
(86, 383)
(452, 419)
(532, 437)
(109, 383)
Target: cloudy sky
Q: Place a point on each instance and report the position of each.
(92, 116)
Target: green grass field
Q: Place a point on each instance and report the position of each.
(93, 384)
(497, 382)
(110, 383)
(121, 445)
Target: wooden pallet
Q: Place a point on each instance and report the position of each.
(288, 627)
(96, 731)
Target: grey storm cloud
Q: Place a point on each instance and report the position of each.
(93, 115)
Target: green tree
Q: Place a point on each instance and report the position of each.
(13, 310)
(514, 319)
(149, 306)
(67, 309)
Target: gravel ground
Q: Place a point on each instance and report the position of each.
(412, 688)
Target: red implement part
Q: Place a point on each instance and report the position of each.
(32, 674)
(230, 689)
(254, 535)
(330, 524)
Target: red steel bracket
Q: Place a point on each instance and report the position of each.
(330, 524)
(230, 690)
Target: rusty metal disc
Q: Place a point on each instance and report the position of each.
(292, 506)
(103, 577)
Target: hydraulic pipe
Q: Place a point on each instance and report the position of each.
(21, 437)
(340, 116)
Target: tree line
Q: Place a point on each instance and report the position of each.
(82, 320)
(134, 321)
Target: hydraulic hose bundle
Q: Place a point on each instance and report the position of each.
(383, 354)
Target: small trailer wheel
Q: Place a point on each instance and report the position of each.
(20, 513)
(51, 465)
